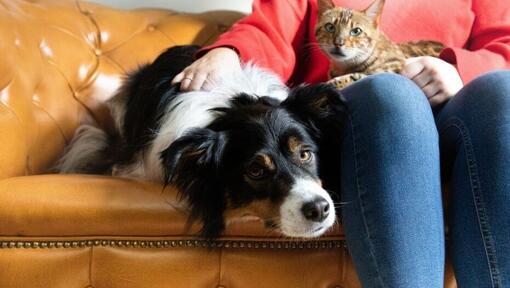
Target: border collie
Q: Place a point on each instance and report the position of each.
(248, 147)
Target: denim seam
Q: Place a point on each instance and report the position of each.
(478, 202)
(358, 188)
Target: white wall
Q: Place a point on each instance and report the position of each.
(182, 5)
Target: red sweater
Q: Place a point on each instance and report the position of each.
(276, 34)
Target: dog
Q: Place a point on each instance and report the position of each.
(250, 146)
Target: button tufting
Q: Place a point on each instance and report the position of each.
(98, 52)
(151, 28)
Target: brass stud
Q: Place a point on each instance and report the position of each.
(325, 244)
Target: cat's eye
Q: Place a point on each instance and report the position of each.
(305, 155)
(255, 171)
(330, 27)
(356, 31)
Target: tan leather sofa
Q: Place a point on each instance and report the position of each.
(59, 61)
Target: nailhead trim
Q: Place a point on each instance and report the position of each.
(234, 244)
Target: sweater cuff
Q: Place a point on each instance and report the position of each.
(219, 44)
(471, 64)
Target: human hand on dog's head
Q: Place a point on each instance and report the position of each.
(209, 69)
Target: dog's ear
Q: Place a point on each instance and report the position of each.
(320, 107)
(193, 163)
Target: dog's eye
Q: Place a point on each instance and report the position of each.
(305, 155)
(255, 171)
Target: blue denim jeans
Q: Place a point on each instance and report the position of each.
(395, 154)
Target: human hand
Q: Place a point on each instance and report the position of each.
(208, 69)
(438, 79)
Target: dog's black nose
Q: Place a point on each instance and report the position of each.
(316, 210)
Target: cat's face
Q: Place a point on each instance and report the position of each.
(345, 35)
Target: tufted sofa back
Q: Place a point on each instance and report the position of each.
(61, 59)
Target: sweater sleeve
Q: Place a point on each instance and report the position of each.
(489, 44)
(268, 37)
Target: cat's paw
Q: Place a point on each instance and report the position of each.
(343, 81)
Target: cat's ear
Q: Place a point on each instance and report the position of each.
(325, 5)
(374, 11)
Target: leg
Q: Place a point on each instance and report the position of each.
(475, 148)
(392, 214)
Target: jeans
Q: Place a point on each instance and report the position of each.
(396, 154)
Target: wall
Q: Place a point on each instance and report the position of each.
(182, 5)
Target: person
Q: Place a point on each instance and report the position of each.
(444, 120)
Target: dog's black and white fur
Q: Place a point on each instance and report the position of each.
(249, 146)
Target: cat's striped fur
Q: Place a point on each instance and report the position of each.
(357, 48)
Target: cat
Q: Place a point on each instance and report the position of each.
(357, 48)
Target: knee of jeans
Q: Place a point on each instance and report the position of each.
(488, 94)
(392, 95)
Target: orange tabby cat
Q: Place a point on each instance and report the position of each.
(357, 48)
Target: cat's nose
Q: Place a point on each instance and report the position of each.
(339, 42)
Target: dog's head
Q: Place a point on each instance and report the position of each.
(257, 158)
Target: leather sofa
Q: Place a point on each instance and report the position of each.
(60, 60)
